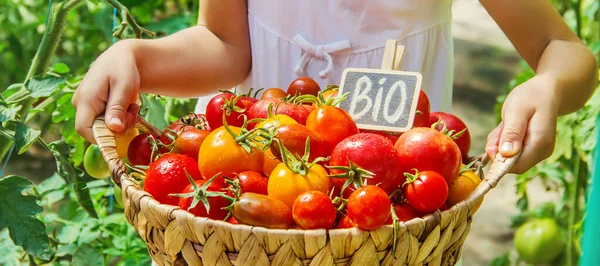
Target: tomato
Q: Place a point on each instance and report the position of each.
(302, 86)
(285, 184)
(273, 93)
(94, 163)
(270, 162)
(462, 187)
(254, 182)
(455, 124)
(188, 122)
(216, 203)
(369, 207)
(232, 220)
(427, 149)
(261, 210)
(140, 149)
(261, 109)
(272, 123)
(124, 140)
(426, 191)
(423, 110)
(345, 222)
(118, 193)
(372, 153)
(404, 212)
(293, 137)
(228, 104)
(540, 241)
(167, 175)
(189, 142)
(313, 210)
(221, 153)
(391, 136)
(333, 123)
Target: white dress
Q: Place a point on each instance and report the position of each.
(319, 39)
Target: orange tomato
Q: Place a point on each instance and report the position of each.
(273, 93)
(285, 184)
(220, 153)
(124, 140)
(462, 187)
(270, 162)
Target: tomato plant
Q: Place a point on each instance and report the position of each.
(261, 210)
(426, 191)
(313, 210)
(369, 207)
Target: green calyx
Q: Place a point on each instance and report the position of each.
(296, 164)
(468, 167)
(201, 194)
(410, 177)
(450, 133)
(229, 105)
(320, 100)
(353, 175)
(247, 139)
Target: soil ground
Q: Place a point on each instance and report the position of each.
(484, 63)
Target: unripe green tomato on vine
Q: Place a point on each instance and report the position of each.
(540, 241)
(94, 163)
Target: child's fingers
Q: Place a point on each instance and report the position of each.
(491, 148)
(119, 100)
(513, 131)
(84, 119)
(538, 144)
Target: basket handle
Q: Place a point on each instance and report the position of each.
(106, 140)
(499, 167)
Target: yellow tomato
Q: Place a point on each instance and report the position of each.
(286, 185)
(124, 140)
(274, 122)
(270, 162)
(462, 187)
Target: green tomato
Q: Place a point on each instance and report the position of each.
(94, 163)
(540, 241)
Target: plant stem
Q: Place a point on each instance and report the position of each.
(577, 9)
(574, 210)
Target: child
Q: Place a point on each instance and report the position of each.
(261, 44)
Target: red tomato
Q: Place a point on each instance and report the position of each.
(140, 150)
(345, 222)
(302, 86)
(261, 210)
(293, 137)
(369, 207)
(372, 153)
(404, 212)
(313, 210)
(261, 109)
(254, 182)
(457, 125)
(232, 220)
(333, 123)
(426, 192)
(188, 142)
(391, 136)
(427, 149)
(230, 102)
(167, 175)
(216, 204)
(423, 108)
(188, 122)
(273, 93)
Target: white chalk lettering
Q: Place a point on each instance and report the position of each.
(359, 95)
(392, 119)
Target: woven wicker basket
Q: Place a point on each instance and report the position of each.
(176, 237)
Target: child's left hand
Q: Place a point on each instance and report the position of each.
(528, 123)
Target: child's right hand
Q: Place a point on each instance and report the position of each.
(111, 86)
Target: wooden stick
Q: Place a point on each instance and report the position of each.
(392, 55)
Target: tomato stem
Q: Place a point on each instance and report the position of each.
(410, 177)
(200, 194)
(353, 174)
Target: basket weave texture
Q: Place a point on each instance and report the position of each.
(176, 237)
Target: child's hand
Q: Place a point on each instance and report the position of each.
(528, 122)
(111, 86)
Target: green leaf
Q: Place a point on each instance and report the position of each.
(19, 210)
(69, 233)
(155, 114)
(86, 255)
(52, 189)
(60, 150)
(8, 113)
(24, 137)
(61, 68)
(44, 87)
(10, 90)
(75, 140)
(503, 260)
(9, 253)
(64, 109)
(564, 139)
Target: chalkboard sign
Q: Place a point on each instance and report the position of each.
(381, 99)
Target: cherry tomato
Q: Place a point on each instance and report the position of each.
(285, 184)
(189, 142)
(391, 136)
(94, 163)
(261, 109)
(372, 153)
(462, 187)
(140, 149)
(313, 210)
(216, 204)
(293, 137)
(273, 93)
(188, 122)
(216, 108)
(427, 149)
(270, 162)
(423, 108)
(333, 123)
(232, 220)
(167, 175)
(369, 207)
(274, 122)
(454, 123)
(345, 222)
(261, 210)
(404, 212)
(254, 182)
(302, 86)
(221, 153)
(124, 140)
(426, 192)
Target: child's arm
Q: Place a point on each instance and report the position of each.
(566, 76)
(196, 61)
